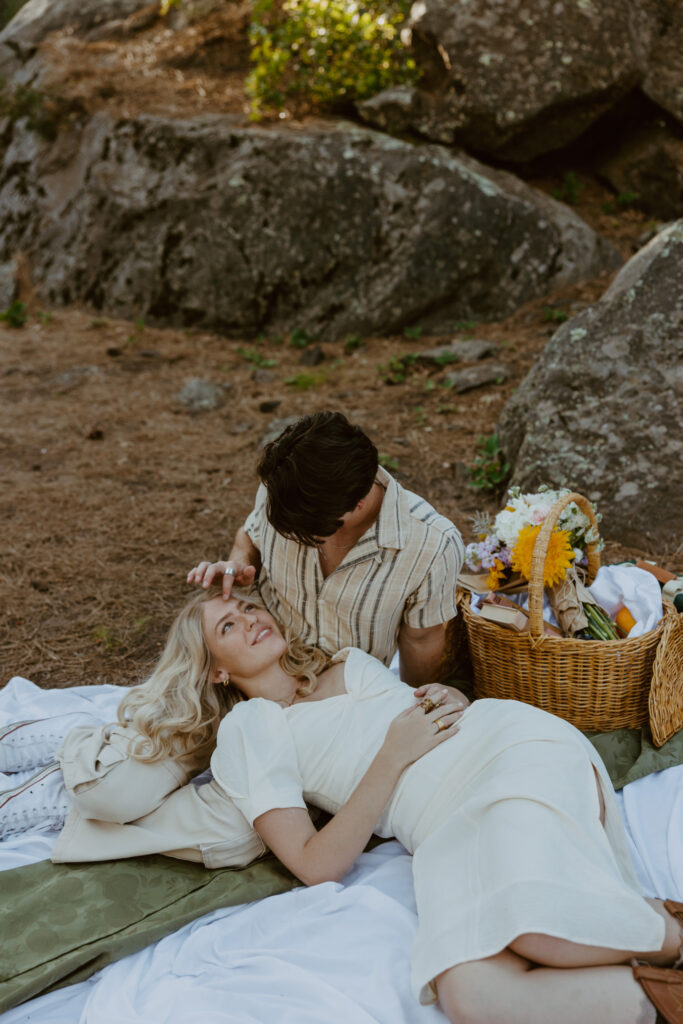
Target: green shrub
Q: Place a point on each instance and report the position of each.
(15, 315)
(490, 468)
(325, 53)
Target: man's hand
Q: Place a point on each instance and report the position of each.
(240, 567)
(204, 574)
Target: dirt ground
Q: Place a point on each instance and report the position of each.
(111, 490)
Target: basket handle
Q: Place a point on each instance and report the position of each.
(539, 555)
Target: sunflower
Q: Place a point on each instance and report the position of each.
(496, 574)
(560, 554)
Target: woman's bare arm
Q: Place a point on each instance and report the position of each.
(327, 855)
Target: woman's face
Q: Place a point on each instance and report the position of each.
(243, 639)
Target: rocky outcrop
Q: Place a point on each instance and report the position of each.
(664, 78)
(332, 229)
(516, 79)
(602, 408)
(38, 18)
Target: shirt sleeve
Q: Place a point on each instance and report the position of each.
(255, 760)
(434, 601)
(253, 524)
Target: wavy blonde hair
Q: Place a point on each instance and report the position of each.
(178, 710)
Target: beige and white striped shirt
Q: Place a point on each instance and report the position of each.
(403, 569)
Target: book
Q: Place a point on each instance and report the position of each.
(511, 618)
(501, 610)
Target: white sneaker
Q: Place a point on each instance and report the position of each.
(40, 802)
(35, 742)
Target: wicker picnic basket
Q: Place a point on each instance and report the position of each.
(595, 684)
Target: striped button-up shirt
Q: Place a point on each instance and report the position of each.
(403, 569)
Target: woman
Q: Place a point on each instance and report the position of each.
(516, 877)
(520, 864)
(119, 790)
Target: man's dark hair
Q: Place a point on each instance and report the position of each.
(315, 471)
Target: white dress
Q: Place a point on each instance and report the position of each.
(502, 818)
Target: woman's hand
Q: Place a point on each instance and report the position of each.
(438, 694)
(232, 572)
(415, 732)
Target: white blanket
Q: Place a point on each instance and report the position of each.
(330, 954)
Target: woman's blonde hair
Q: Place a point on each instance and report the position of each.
(178, 710)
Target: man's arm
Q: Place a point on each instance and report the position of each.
(419, 652)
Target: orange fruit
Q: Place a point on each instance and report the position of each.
(625, 620)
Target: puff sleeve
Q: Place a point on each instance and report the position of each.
(255, 760)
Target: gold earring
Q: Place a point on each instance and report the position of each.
(226, 681)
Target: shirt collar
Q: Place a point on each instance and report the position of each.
(389, 531)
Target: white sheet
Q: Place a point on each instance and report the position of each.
(330, 954)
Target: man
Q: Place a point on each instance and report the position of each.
(342, 553)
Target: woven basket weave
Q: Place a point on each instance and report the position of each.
(666, 693)
(595, 684)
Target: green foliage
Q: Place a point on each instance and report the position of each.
(387, 462)
(353, 342)
(446, 358)
(166, 5)
(254, 357)
(553, 315)
(466, 326)
(490, 468)
(299, 338)
(412, 332)
(105, 637)
(306, 381)
(45, 316)
(570, 189)
(624, 201)
(396, 369)
(42, 114)
(325, 53)
(15, 315)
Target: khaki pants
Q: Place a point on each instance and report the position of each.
(125, 808)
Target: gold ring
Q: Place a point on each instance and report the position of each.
(427, 705)
(440, 724)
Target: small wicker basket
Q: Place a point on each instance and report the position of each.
(595, 684)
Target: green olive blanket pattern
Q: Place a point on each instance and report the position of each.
(61, 923)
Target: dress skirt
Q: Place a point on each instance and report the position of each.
(507, 839)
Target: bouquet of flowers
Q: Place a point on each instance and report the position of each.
(506, 544)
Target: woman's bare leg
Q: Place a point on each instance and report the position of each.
(552, 952)
(506, 989)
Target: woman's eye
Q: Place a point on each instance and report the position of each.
(249, 607)
(226, 627)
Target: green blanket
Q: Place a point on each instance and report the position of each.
(62, 922)
(629, 754)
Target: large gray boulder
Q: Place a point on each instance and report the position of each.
(38, 18)
(518, 78)
(602, 408)
(664, 79)
(331, 228)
